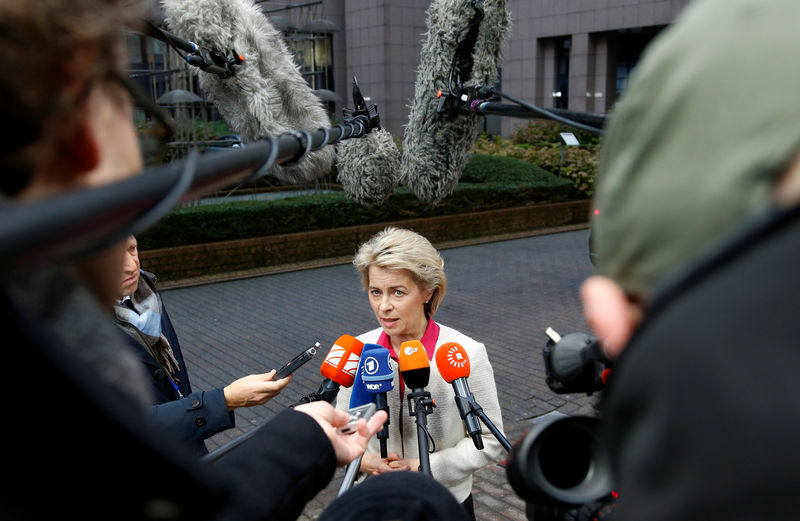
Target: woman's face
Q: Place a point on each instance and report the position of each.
(398, 303)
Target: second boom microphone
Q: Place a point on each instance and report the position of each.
(461, 48)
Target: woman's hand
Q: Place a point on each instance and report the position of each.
(373, 463)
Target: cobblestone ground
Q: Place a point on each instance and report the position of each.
(504, 294)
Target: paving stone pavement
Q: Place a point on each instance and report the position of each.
(504, 294)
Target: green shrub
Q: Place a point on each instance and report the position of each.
(543, 132)
(487, 183)
(579, 166)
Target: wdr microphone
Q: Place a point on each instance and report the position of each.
(461, 48)
(359, 396)
(453, 364)
(267, 95)
(339, 369)
(377, 374)
(414, 365)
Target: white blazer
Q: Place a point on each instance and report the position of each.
(455, 458)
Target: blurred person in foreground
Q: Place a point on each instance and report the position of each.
(698, 236)
(404, 277)
(193, 416)
(81, 443)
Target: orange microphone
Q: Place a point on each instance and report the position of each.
(453, 364)
(452, 361)
(338, 368)
(414, 365)
(342, 361)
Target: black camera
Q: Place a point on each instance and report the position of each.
(562, 468)
(575, 363)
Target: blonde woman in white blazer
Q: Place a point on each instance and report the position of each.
(404, 278)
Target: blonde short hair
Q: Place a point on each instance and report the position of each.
(401, 249)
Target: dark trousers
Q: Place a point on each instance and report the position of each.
(469, 506)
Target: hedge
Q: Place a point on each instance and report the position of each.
(487, 183)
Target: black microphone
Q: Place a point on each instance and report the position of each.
(266, 94)
(369, 167)
(461, 50)
(453, 364)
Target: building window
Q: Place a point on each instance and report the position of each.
(314, 54)
(630, 46)
(561, 87)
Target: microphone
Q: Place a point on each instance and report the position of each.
(414, 365)
(369, 167)
(461, 48)
(266, 95)
(377, 373)
(338, 368)
(416, 371)
(453, 364)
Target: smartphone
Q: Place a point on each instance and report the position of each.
(292, 365)
(363, 411)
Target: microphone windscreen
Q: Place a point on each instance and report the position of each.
(369, 167)
(413, 356)
(436, 145)
(267, 95)
(452, 361)
(415, 368)
(341, 363)
(377, 371)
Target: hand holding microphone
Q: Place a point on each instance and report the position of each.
(348, 447)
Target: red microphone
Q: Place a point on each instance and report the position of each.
(453, 364)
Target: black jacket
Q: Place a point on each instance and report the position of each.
(196, 416)
(702, 411)
(82, 447)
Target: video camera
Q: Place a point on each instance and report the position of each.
(562, 467)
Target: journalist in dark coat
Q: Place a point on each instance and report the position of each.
(193, 416)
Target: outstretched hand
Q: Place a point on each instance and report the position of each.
(255, 389)
(347, 446)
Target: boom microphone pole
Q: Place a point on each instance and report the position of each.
(81, 221)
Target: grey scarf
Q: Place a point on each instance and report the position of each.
(142, 310)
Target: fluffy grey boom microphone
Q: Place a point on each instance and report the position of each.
(436, 144)
(267, 95)
(369, 167)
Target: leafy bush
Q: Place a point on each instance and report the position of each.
(548, 132)
(487, 183)
(542, 146)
